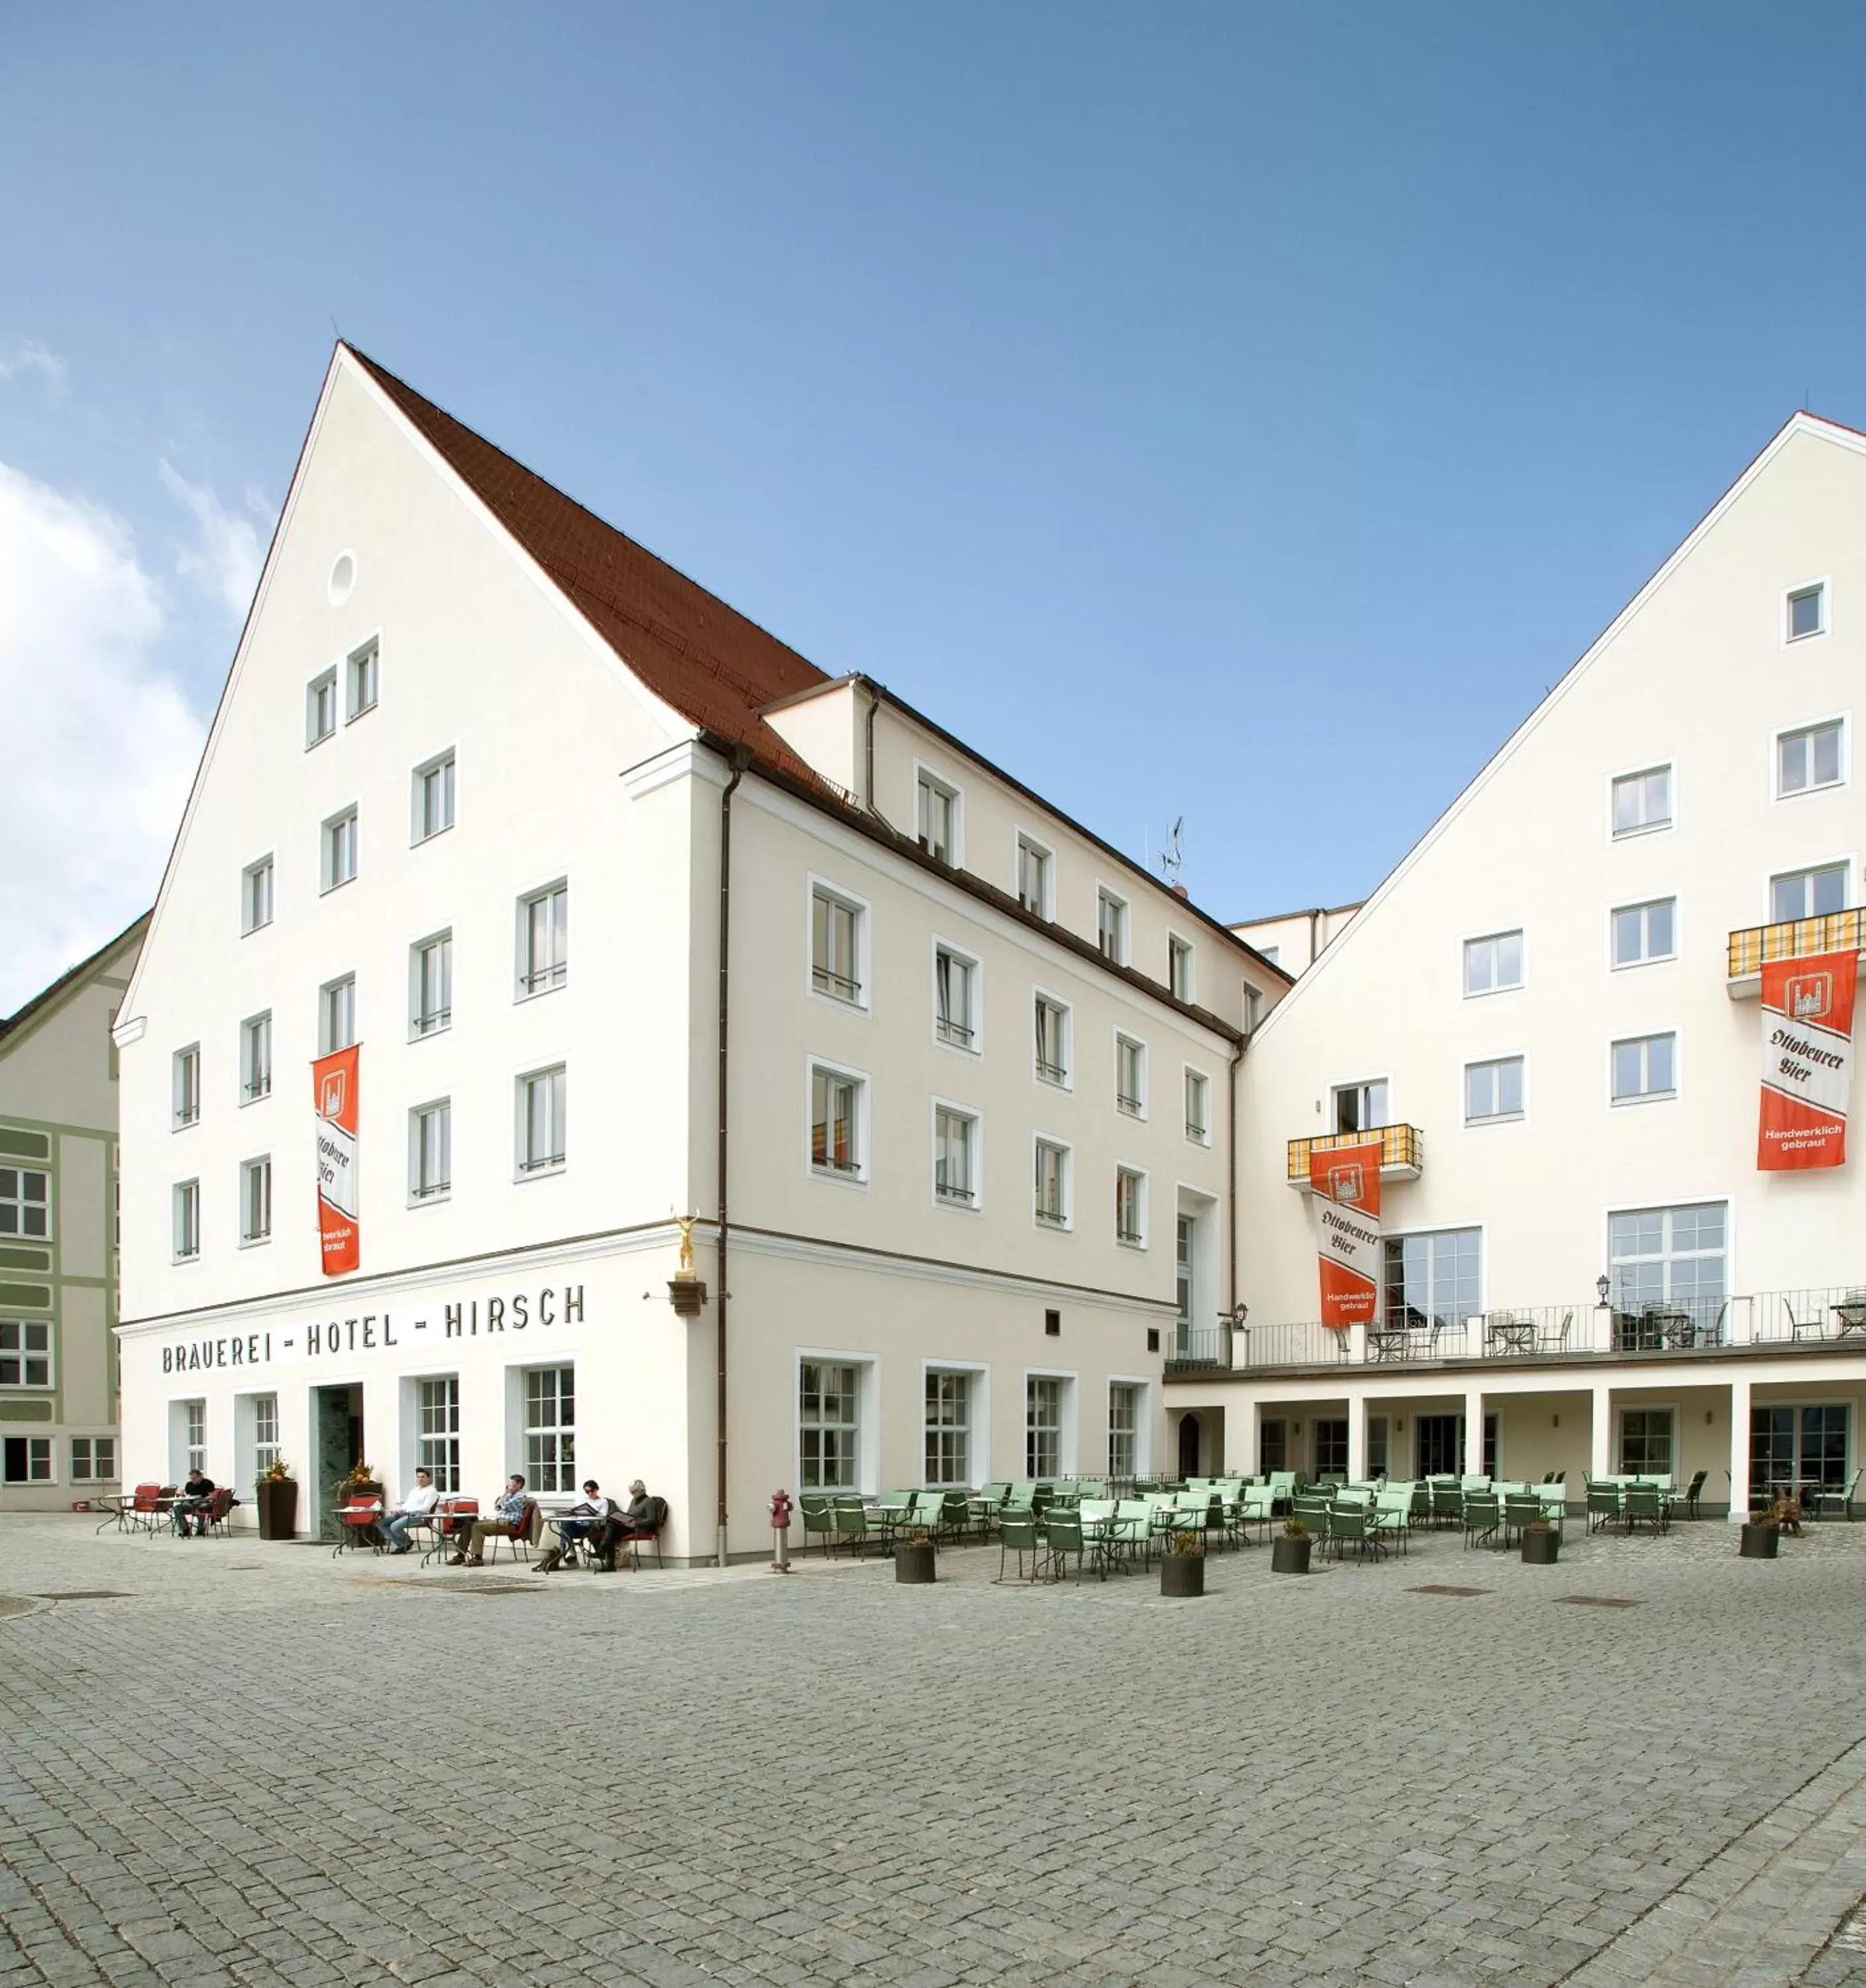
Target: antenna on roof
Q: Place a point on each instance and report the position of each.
(1171, 857)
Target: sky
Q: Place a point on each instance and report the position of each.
(1236, 413)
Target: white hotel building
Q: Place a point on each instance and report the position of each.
(632, 914)
(1549, 1015)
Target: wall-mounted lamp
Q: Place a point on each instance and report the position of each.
(1709, 1417)
(1602, 1286)
(1554, 1422)
(1399, 1424)
(1295, 1428)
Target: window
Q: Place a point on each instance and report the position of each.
(835, 965)
(1494, 965)
(541, 1116)
(1043, 1426)
(544, 940)
(1645, 1441)
(1111, 927)
(1807, 893)
(340, 861)
(264, 1433)
(835, 1122)
(1807, 612)
(1643, 933)
(954, 978)
(359, 674)
(1808, 758)
(1360, 1108)
(1051, 1184)
(186, 1220)
(1130, 1207)
(437, 1432)
(1253, 1009)
(193, 1436)
(336, 1015)
(256, 895)
(25, 1201)
(94, 1459)
(1051, 1040)
(1493, 1090)
(827, 1426)
(1124, 1428)
(430, 1151)
(550, 1428)
(256, 1199)
(1273, 953)
(1671, 1258)
(1433, 1279)
(25, 1353)
(29, 1459)
(938, 818)
(1179, 969)
(1330, 1433)
(955, 1135)
(1644, 1067)
(1198, 1107)
(1183, 1248)
(1033, 862)
(1130, 1076)
(948, 1427)
(1642, 801)
(1801, 1446)
(255, 1058)
(186, 1085)
(434, 797)
(430, 985)
(320, 708)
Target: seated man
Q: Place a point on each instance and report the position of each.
(510, 1524)
(591, 1513)
(637, 1522)
(193, 1501)
(417, 1507)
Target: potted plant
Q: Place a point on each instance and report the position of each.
(1290, 1554)
(1761, 1537)
(275, 1495)
(913, 1557)
(1182, 1571)
(1541, 1543)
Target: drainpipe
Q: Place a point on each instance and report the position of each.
(874, 705)
(1312, 917)
(1231, 1196)
(739, 758)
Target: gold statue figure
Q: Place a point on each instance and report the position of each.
(686, 1222)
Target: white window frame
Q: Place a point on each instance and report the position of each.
(1430, 1233)
(19, 1329)
(256, 1081)
(858, 1175)
(527, 974)
(866, 1475)
(1037, 846)
(266, 1443)
(861, 1000)
(325, 679)
(1669, 1409)
(362, 670)
(525, 1167)
(332, 842)
(184, 1088)
(1108, 900)
(1065, 1183)
(1066, 1034)
(1069, 1417)
(35, 1446)
(185, 1215)
(1137, 1240)
(1493, 1063)
(1823, 586)
(975, 1044)
(441, 1019)
(259, 1165)
(19, 1202)
(1647, 1036)
(973, 1203)
(1179, 947)
(1201, 1135)
(978, 1378)
(1616, 965)
(261, 868)
(562, 1430)
(1667, 1255)
(1840, 721)
(327, 1043)
(1143, 1422)
(437, 1430)
(1361, 1083)
(443, 763)
(932, 779)
(1846, 865)
(421, 1192)
(1669, 769)
(1493, 939)
(98, 1449)
(1139, 1108)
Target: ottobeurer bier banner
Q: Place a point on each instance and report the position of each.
(334, 1090)
(1807, 1061)
(1346, 1180)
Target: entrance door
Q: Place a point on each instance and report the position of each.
(336, 1427)
(1441, 1446)
(1804, 1447)
(1189, 1446)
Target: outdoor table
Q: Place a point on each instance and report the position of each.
(1509, 1334)
(1850, 1317)
(120, 1505)
(1390, 1343)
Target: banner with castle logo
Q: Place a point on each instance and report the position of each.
(1346, 1180)
(333, 1080)
(1807, 1061)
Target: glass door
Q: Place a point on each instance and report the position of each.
(1183, 1347)
(1798, 1449)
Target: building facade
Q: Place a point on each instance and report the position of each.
(1548, 1016)
(631, 915)
(58, 1237)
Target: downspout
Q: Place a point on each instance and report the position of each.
(739, 758)
(874, 705)
(1231, 1195)
(1313, 916)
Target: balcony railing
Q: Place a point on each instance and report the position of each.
(1401, 1147)
(1199, 1349)
(1795, 938)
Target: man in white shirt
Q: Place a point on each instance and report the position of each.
(418, 1504)
(591, 1513)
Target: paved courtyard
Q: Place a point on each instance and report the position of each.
(252, 1764)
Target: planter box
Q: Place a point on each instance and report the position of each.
(1289, 1556)
(277, 1501)
(1183, 1574)
(1541, 1549)
(914, 1565)
(1760, 1542)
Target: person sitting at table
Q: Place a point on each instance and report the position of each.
(418, 1505)
(192, 1502)
(590, 1514)
(635, 1521)
(509, 1525)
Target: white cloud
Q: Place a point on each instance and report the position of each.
(100, 746)
(21, 359)
(232, 549)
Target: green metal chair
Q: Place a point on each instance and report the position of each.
(817, 1520)
(1603, 1506)
(1392, 1517)
(1828, 1497)
(1482, 1515)
(1645, 1505)
(1350, 1523)
(1017, 1534)
(1447, 1503)
(850, 1524)
(1521, 1510)
(1063, 1537)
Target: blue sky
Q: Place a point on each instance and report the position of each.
(1205, 410)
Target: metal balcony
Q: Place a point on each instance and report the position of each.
(1401, 1149)
(1794, 938)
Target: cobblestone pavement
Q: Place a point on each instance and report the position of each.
(256, 1766)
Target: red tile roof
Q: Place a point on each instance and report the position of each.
(704, 658)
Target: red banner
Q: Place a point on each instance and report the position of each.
(1807, 1061)
(334, 1082)
(1346, 1182)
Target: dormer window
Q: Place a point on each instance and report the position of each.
(938, 818)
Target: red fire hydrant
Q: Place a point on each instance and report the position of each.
(780, 1532)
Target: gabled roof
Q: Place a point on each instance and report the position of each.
(709, 661)
(68, 983)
